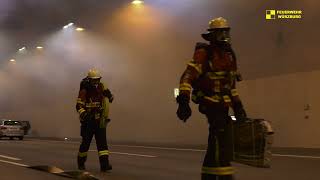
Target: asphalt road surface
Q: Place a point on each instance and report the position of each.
(139, 162)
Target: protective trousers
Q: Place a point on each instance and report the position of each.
(216, 165)
(90, 128)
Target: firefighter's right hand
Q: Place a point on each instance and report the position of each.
(84, 116)
(184, 110)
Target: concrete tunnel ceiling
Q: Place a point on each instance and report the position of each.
(25, 21)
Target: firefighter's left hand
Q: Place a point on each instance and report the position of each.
(107, 93)
(108, 120)
(239, 111)
(111, 98)
(241, 114)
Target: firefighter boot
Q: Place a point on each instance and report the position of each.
(225, 177)
(216, 177)
(208, 177)
(104, 164)
(81, 163)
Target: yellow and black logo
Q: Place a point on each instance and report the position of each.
(270, 14)
(283, 14)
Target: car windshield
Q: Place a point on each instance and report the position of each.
(12, 123)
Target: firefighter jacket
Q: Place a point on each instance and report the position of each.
(93, 99)
(212, 75)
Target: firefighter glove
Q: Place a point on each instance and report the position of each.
(107, 93)
(84, 116)
(184, 110)
(111, 98)
(239, 111)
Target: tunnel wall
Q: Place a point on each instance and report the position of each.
(291, 103)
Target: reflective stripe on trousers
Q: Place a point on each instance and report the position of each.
(83, 154)
(104, 153)
(218, 170)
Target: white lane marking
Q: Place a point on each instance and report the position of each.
(130, 146)
(296, 156)
(11, 158)
(14, 163)
(201, 150)
(52, 141)
(192, 150)
(161, 148)
(129, 154)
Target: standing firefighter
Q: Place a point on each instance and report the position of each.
(93, 106)
(212, 74)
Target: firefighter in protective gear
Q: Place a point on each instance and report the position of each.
(211, 76)
(93, 108)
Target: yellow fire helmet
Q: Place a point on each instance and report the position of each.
(215, 24)
(94, 74)
(219, 22)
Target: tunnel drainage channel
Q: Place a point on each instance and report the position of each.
(80, 175)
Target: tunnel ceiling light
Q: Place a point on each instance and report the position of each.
(80, 29)
(22, 49)
(68, 25)
(137, 2)
(12, 60)
(39, 47)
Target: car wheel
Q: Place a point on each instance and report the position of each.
(21, 138)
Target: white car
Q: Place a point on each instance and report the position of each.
(11, 129)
